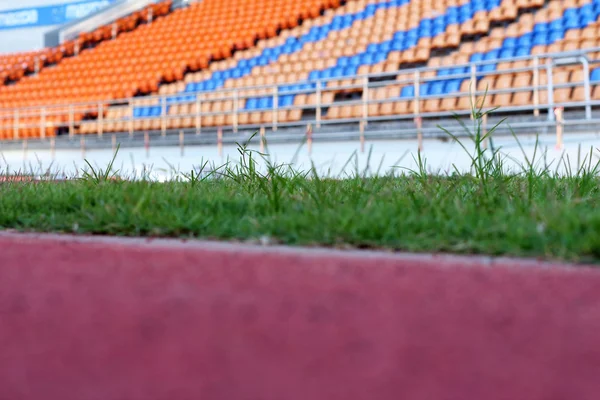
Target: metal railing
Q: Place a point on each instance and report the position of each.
(325, 94)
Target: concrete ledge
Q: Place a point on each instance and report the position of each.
(104, 318)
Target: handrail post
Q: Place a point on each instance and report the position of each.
(419, 123)
(559, 127)
(473, 89)
(130, 121)
(163, 116)
(417, 83)
(16, 125)
(262, 139)
(220, 141)
(361, 128)
(485, 131)
(181, 143)
(536, 86)
(43, 122)
(550, 87)
(198, 114)
(275, 106)
(236, 106)
(586, 88)
(417, 108)
(100, 119)
(71, 121)
(365, 99)
(319, 102)
(309, 138)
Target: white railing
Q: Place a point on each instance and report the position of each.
(323, 93)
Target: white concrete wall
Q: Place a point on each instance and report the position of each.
(328, 158)
(27, 38)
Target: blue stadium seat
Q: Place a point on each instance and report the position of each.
(459, 70)
(487, 68)
(556, 25)
(541, 27)
(476, 57)
(155, 111)
(507, 53)
(314, 75)
(525, 40)
(556, 35)
(540, 38)
(251, 103)
(190, 87)
(523, 51)
(285, 101)
(209, 85)
(452, 86)
(491, 55)
(509, 42)
(350, 70)
(343, 61)
(407, 92)
(437, 88)
(337, 72)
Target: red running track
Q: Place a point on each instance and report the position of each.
(131, 320)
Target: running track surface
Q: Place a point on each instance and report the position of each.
(134, 320)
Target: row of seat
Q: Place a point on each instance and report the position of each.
(347, 60)
(164, 64)
(414, 5)
(14, 67)
(505, 43)
(334, 83)
(388, 102)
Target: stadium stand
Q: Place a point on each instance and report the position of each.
(561, 26)
(361, 38)
(13, 67)
(355, 39)
(323, 59)
(102, 73)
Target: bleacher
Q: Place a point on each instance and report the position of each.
(248, 63)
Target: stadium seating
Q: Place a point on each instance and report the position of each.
(361, 37)
(13, 67)
(300, 54)
(561, 26)
(139, 60)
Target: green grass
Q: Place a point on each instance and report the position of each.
(533, 212)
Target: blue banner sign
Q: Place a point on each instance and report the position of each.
(50, 15)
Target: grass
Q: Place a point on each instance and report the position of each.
(532, 212)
